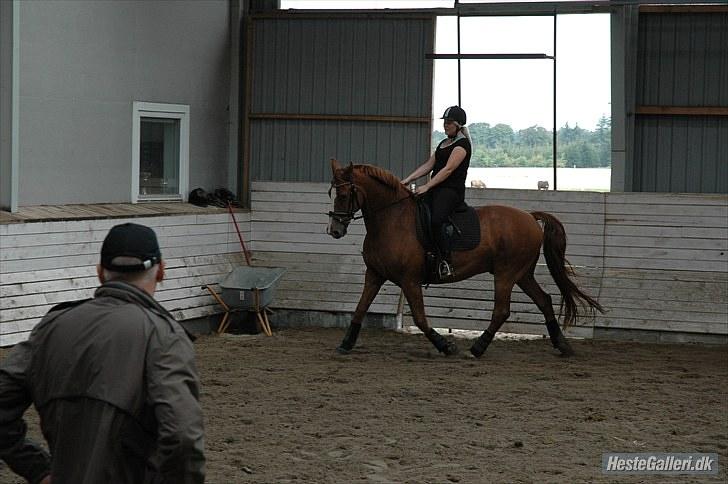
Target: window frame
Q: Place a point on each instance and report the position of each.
(181, 112)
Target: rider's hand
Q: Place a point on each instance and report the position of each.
(421, 190)
(46, 480)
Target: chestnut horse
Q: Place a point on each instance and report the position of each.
(510, 244)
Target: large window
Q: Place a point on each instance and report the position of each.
(160, 151)
(510, 102)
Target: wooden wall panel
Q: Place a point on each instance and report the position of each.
(46, 263)
(656, 262)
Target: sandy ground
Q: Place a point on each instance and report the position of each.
(287, 408)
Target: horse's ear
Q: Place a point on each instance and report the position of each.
(335, 165)
(350, 168)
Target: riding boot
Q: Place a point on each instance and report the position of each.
(445, 268)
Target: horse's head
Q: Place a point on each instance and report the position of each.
(348, 199)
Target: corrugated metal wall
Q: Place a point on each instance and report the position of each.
(340, 70)
(682, 61)
(681, 154)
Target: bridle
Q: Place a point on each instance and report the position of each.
(353, 204)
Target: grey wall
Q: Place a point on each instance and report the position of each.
(84, 63)
(6, 97)
(682, 60)
(342, 66)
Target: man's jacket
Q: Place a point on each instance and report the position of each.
(114, 381)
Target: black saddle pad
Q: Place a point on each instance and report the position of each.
(464, 219)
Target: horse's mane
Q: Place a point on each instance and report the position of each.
(381, 175)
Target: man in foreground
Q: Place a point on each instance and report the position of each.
(113, 379)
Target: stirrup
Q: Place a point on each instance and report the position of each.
(445, 270)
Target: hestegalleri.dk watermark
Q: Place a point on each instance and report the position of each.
(659, 463)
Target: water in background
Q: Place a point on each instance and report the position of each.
(588, 179)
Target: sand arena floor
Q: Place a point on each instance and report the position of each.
(287, 408)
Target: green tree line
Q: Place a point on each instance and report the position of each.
(500, 145)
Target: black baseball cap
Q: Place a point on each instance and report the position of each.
(130, 240)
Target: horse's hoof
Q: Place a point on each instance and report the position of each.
(566, 350)
(564, 347)
(477, 350)
(343, 351)
(451, 349)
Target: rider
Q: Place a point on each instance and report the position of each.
(446, 188)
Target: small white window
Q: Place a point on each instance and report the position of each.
(160, 151)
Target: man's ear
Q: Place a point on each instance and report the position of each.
(160, 272)
(335, 166)
(100, 273)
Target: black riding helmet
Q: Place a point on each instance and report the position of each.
(455, 113)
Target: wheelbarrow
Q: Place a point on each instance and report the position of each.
(248, 289)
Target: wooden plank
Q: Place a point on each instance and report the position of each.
(659, 220)
(89, 270)
(668, 210)
(658, 232)
(330, 306)
(666, 264)
(527, 202)
(664, 275)
(322, 210)
(715, 296)
(68, 283)
(155, 222)
(667, 243)
(646, 198)
(168, 233)
(664, 325)
(615, 304)
(167, 245)
(624, 251)
(92, 259)
(13, 339)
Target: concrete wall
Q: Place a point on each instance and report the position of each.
(7, 34)
(82, 65)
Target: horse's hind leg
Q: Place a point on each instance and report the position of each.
(543, 300)
(501, 311)
(413, 292)
(372, 283)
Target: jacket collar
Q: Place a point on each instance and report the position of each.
(127, 292)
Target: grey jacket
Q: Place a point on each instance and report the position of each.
(114, 381)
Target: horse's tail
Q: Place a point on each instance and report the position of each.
(554, 250)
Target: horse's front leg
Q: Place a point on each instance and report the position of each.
(413, 293)
(372, 283)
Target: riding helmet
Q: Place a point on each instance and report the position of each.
(455, 113)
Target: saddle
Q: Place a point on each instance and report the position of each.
(464, 236)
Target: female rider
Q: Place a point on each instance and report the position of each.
(446, 187)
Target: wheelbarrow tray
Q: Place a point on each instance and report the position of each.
(240, 286)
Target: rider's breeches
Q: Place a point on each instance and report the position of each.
(443, 201)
